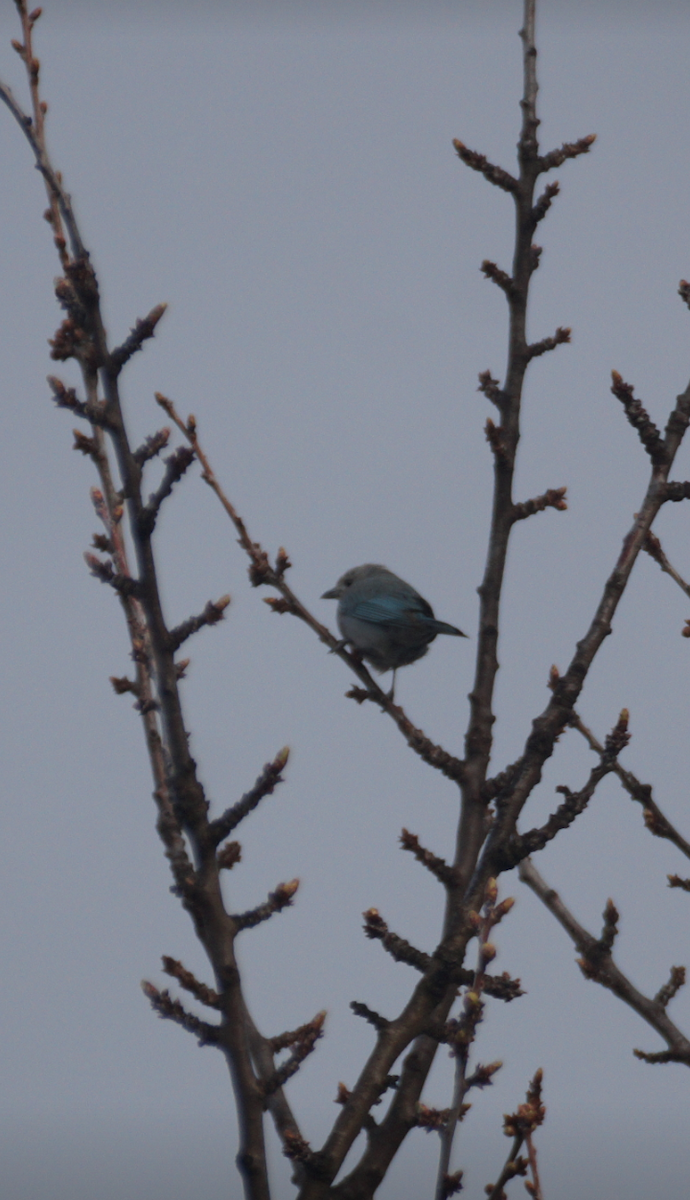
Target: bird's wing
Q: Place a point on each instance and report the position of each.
(390, 610)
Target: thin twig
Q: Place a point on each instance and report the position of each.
(265, 785)
(655, 550)
(554, 498)
(464, 1033)
(514, 1165)
(281, 898)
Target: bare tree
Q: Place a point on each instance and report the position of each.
(447, 1001)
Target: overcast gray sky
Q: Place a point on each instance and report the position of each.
(284, 177)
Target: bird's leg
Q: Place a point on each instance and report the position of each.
(338, 646)
(392, 691)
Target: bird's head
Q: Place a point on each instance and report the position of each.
(354, 575)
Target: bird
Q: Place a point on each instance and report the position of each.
(384, 618)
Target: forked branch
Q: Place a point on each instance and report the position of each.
(596, 963)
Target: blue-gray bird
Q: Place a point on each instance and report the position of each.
(384, 618)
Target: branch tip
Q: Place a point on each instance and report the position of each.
(676, 981)
(402, 951)
(491, 389)
(264, 786)
(212, 614)
(172, 1010)
(201, 991)
(437, 866)
(560, 338)
(553, 498)
(295, 1036)
(121, 685)
(479, 162)
(144, 327)
(306, 1038)
(374, 1018)
(494, 436)
(545, 201)
(640, 420)
(501, 278)
(555, 158)
(151, 446)
(278, 900)
(175, 467)
(228, 856)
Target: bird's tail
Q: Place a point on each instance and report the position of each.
(442, 627)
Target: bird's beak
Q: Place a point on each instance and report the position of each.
(333, 594)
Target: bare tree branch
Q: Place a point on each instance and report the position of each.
(596, 963)
(462, 1033)
(639, 419)
(491, 389)
(677, 490)
(152, 446)
(172, 1010)
(269, 778)
(437, 866)
(175, 467)
(278, 900)
(554, 498)
(560, 338)
(545, 201)
(655, 550)
(144, 328)
(555, 158)
(178, 793)
(212, 614)
(201, 991)
(675, 881)
(654, 819)
(514, 1166)
(376, 928)
(374, 1018)
(303, 1041)
(500, 278)
(487, 839)
(574, 804)
(479, 162)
